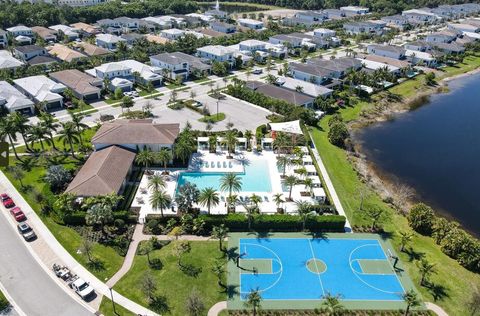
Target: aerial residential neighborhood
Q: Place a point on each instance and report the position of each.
(200, 158)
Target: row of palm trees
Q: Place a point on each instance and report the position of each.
(42, 133)
(229, 140)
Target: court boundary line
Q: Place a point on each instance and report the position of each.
(363, 281)
(364, 273)
(316, 267)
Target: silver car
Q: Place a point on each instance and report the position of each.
(26, 231)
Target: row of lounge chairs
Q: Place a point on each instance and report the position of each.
(219, 164)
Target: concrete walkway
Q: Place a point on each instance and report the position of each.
(217, 308)
(330, 187)
(436, 309)
(138, 236)
(56, 253)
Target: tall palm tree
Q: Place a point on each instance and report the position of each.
(308, 182)
(281, 142)
(164, 156)
(248, 136)
(290, 181)
(426, 269)
(160, 200)
(304, 210)
(230, 182)
(145, 157)
(277, 198)
(21, 124)
(7, 130)
(411, 299)
(302, 171)
(230, 140)
(183, 149)
(253, 300)
(405, 239)
(220, 232)
(69, 135)
(49, 122)
(37, 134)
(77, 122)
(332, 306)
(156, 183)
(283, 162)
(208, 197)
(212, 143)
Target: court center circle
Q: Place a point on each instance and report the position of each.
(316, 266)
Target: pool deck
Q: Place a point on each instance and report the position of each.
(218, 163)
(236, 302)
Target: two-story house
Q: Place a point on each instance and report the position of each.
(251, 24)
(42, 90)
(390, 51)
(172, 34)
(108, 41)
(223, 27)
(216, 53)
(28, 52)
(20, 30)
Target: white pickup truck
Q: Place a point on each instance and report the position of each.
(82, 288)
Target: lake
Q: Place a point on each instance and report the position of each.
(435, 149)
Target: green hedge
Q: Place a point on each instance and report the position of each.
(284, 223)
(78, 218)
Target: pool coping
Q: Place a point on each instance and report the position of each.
(233, 278)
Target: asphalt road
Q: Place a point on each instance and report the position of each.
(28, 284)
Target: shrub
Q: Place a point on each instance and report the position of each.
(338, 134)
(421, 218)
(57, 176)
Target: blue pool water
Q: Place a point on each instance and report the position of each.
(256, 178)
(343, 275)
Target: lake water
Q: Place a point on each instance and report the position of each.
(436, 150)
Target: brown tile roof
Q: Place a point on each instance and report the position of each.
(92, 50)
(87, 28)
(388, 61)
(78, 81)
(156, 39)
(136, 132)
(44, 32)
(103, 173)
(280, 93)
(65, 53)
(211, 32)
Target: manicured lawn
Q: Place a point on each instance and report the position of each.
(201, 80)
(213, 118)
(68, 237)
(171, 282)
(453, 283)
(85, 108)
(173, 86)
(207, 82)
(106, 308)
(87, 135)
(469, 63)
(111, 101)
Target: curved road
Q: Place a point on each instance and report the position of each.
(35, 292)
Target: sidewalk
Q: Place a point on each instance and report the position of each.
(49, 250)
(330, 187)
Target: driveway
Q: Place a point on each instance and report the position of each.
(28, 284)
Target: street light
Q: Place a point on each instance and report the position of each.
(113, 302)
(218, 100)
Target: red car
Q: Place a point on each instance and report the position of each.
(18, 214)
(7, 200)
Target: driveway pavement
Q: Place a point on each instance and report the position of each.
(28, 284)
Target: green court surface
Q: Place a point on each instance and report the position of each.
(295, 271)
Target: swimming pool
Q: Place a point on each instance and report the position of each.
(256, 178)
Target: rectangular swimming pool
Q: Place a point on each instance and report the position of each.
(256, 178)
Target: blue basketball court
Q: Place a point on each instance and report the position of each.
(307, 269)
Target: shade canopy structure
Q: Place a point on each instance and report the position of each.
(292, 127)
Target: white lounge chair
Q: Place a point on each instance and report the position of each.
(212, 164)
(219, 165)
(230, 164)
(224, 164)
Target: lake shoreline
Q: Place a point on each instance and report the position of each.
(383, 182)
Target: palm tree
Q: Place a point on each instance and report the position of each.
(156, 183)
(304, 209)
(7, 130)
(281, 141)
(255, 199)
(220, 232)
(212, 143)
(283, 162)
(160, 200)
(230, 140)
(248, 136)
(183, 149)
(37, 134)
(308, 182)
(277, 198)
(411, 299)
(253, 300)
(331, 305)
(77, 122)
(426, 269)
(230, 182)
(290, 181)
(406, 238)
(302, 172)
(69, 135)
(49, 122)
(208, 197)
(145, 157)
(21, 124)
(164, 156)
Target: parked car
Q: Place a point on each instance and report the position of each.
(18, 214)
(257, 71)
(7, 201)
(26, 231)
(197, 104)
(82, 288)
(134, 94)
